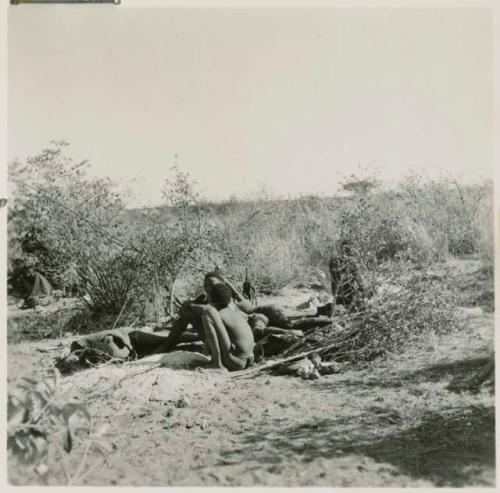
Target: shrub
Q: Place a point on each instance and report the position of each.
(415, 306)
(407, 305)
(277, 241)
(62, 223)
(57, 215)
(111, 283)
(484, 229)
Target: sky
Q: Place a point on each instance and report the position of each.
(284, 100)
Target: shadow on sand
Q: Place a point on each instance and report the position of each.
(449, 449)
(453, 448)
(433, 373)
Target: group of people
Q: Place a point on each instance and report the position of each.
(234, 331)
(220, 319)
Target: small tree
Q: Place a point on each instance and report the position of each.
(360, 186)
(175, 239)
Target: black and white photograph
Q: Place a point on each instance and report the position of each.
(249, 245)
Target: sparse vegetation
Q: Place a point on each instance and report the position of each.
(77, 232)
(60, 218)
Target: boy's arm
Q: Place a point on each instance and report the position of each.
(245, 306)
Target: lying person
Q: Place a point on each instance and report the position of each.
(270, 341)
(233, 348)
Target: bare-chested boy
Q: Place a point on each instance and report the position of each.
(227, 335)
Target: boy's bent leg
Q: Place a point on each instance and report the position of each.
(211, 338)
(178, 329)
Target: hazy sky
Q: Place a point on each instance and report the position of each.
(289, 98)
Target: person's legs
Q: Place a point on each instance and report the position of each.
(145, 343)
(219, 343)
(173, 338)
(180, 326)
(197, 325)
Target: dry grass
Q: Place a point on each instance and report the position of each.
(281, 241)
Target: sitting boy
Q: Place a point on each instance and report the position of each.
(192, 316)
(227, 335)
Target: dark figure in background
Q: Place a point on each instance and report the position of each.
(347, 286)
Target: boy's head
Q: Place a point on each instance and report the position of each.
(220, 295)
(211, 279)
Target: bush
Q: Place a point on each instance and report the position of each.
(414, 307)
(281, 241)
(111, 283)
(407, 306)
(57, 215)
(276, 241)
(484, 228)
(73, 229)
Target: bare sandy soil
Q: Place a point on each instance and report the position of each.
(389, 423)
(392, 424)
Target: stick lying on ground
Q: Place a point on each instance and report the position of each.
(293, 347)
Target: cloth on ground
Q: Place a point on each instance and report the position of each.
(115, 343)
(272, 344)
(96, 348)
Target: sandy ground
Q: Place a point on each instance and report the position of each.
(390, 424)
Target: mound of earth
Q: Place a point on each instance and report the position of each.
(160, 378)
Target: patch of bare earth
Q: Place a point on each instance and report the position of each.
(391, 423)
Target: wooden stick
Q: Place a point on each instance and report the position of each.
(156, 296)
(172, 294)
(236, 293)
(120, 314)
(197, 267)
(293, 347)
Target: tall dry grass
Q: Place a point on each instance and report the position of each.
(484, 227)
(281, 241)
